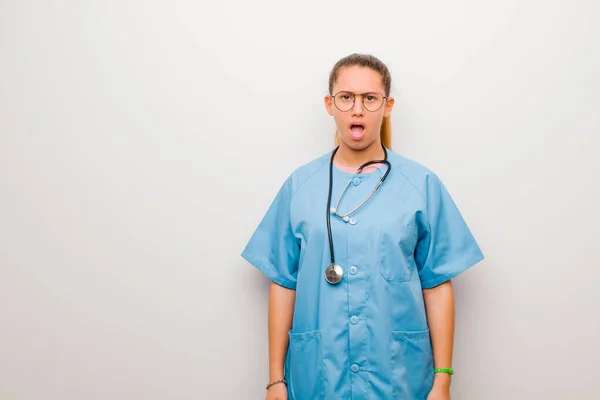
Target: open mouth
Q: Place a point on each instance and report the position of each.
(357, 131)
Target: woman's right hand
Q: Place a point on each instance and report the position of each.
(277, 392)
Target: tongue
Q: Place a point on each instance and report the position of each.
(357, 130)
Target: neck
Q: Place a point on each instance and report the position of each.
(355, 158)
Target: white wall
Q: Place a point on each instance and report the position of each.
(142, 141)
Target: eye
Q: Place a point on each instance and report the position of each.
(345, 97)
(372, 97)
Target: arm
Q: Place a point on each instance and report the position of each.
(439, 302)
(281, 312)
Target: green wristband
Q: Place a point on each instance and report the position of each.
(446, 370)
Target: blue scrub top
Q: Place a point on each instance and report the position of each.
(366, 337)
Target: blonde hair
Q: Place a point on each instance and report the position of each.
(368, 61)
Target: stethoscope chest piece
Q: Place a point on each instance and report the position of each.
(334, 274)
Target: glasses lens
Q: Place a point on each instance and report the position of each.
(344, 101)
(373, 101)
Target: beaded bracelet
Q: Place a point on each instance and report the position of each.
(446, 370)
(282, 380)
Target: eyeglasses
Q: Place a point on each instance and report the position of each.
(372, 101)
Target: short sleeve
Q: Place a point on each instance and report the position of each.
(446, 247)
(273, 248)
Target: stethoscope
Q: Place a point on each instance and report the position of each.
(334, 272)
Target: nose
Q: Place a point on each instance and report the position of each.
(357, 109)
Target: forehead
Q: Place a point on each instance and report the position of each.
(358, 80)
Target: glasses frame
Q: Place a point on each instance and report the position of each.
(362, 96)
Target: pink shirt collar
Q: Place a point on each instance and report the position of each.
(352, 170)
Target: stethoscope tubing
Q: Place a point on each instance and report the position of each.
(329, 234)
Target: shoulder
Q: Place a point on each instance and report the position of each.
(303, 173)
(416, 174)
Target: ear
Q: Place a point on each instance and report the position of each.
(389, 104)
(329, 105)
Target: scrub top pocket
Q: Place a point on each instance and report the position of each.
(396, 251)
(411, 364)
(306, 366)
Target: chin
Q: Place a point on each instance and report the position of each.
(357, 144)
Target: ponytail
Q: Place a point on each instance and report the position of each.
(385, 133)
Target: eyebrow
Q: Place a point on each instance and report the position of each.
(368, 91)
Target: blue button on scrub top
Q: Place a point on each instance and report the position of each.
(366, 337)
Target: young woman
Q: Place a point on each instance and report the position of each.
(361, 245)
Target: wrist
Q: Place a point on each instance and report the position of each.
(442, 380)
(280, 381)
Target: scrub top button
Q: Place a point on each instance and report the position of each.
(354, 367)
(354, 320)
(356, 181)
(353, 270)
(352, 221)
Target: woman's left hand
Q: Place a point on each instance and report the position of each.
(441, 388)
